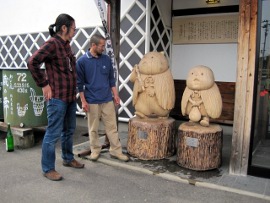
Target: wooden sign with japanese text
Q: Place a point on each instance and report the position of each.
(205, 29)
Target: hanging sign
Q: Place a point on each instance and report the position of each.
(109, 49)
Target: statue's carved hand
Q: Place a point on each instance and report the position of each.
(150, 91)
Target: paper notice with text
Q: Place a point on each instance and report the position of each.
(205, 29)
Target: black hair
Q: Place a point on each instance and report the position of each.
(62, 19)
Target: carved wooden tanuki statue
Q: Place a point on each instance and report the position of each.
(151, 134)
(153, 92)
(200, 143)
(201, 98)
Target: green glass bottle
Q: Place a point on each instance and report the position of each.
(9, 140)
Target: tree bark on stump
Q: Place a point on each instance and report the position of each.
(151, 139)
(199, 148)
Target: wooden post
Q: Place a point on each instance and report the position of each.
(247, 36)
(199, 148)
(113, 21)
(151, 139)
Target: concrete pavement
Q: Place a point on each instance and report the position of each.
(109, 180)
(218, 179)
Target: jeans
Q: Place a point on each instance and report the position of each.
(61, 124)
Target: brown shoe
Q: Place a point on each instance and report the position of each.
(73, 164)
(121, 157)
(53, 175)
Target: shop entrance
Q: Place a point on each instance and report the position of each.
(259, 162)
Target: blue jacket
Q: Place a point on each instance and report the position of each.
(97, 76)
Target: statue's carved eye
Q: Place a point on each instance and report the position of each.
(192, 73)
(201, 73)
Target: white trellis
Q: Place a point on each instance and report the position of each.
(137, 38)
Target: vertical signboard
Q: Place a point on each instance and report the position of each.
(23, 101)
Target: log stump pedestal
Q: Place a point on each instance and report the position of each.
(199, 148)
(151, 139)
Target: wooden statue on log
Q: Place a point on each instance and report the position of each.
(153, 92)
(201, 99)
(151, 134)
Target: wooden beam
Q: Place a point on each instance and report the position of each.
(114, 26)
(114, 9)
(247, 35)
(208, 10)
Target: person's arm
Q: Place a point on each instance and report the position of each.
(115, 96)
(35, 61)
(113, 85)
(34, 64)
(84, 102)
(80, 84)
(47, 92)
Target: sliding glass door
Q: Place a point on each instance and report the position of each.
(259, 162)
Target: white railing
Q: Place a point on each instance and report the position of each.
(135, 41)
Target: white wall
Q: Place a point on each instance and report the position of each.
(221, 58)
(28, 16)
